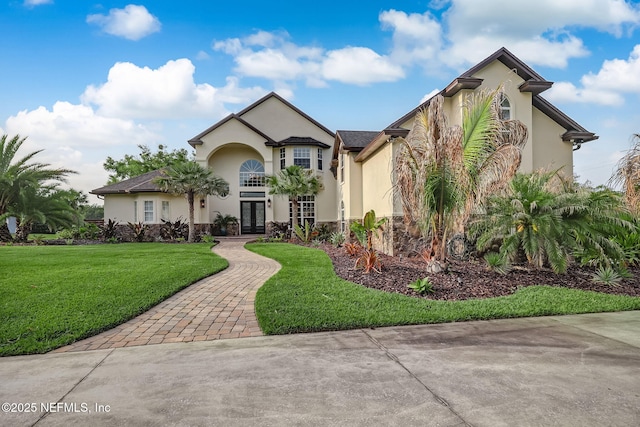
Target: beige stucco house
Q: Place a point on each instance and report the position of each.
(365, 160)
(356, 167)
(242, 148)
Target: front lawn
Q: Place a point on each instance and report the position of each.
(51, 296)
(306, 295)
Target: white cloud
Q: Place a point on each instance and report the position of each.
(469, 30)
(76, 126)
(359, 66)
(133, 22)
(272, 56)
(416, 37)
(168, 92)
(429, 95)
(615, 78)
(75, 137)
(34, 3)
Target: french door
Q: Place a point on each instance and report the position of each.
(252, 217)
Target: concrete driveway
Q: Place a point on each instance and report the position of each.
(579, 370)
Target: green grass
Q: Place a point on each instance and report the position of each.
(306, 295)
(51, 296)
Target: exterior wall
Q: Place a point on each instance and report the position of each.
(496, 74)
(226, 162)
(120, 207)
(351, 190)
(551, 151)
(377, 185)
(280, 122)
(229, 145)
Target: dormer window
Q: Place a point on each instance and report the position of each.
(505, 108)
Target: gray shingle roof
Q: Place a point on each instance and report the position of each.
(139, 184)
(298, 140)
(356, 140)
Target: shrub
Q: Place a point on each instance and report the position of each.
(306, 234)
(139, 230)
(109, 230)
(422, 286)
(352, 248)
(496, 262)
(337, 239)
(369, 260)
(607, 276)
(173, 230)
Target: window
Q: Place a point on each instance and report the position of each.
(342, 167)
(505, 108)
(302, 157)
(343, 224)
(148, 211)
(165, 211)
(319, 159)
(283, 158)
(252, 174)
(306, 210)
(135, 211)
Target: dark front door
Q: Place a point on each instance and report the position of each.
(252, 217)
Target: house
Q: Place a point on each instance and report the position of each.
(365, 170)
(355, 167)
(242, 148)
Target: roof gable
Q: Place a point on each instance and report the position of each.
(533, 82)
(197, 140)
(273, 95)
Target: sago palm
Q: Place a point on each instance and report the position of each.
(17, 174)
(46, 205)
(294, 182)
(549, 222)
(191, 180)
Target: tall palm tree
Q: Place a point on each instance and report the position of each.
(191, 179)
(444, 173)
(294, 182)
(627, 174)
(18, 174)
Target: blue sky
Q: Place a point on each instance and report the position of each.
(88, 80)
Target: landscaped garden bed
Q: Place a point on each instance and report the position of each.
(470, 278)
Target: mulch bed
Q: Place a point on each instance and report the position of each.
(469, 279)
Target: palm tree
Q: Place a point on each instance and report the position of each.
(627, 174)
(191, 179)
(294, 182)
(17, 175)
(47, 205)
(549, 221)
(446, 173)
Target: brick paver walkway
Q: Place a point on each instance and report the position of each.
(220, 306)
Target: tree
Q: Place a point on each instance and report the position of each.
(293, 182)
(549, 221)
(446, 173)
(627, 174)
(147, 161)
(46, 205)
(16, 175)
(191, 179)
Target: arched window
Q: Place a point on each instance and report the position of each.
(505, 108)
(252, 174)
